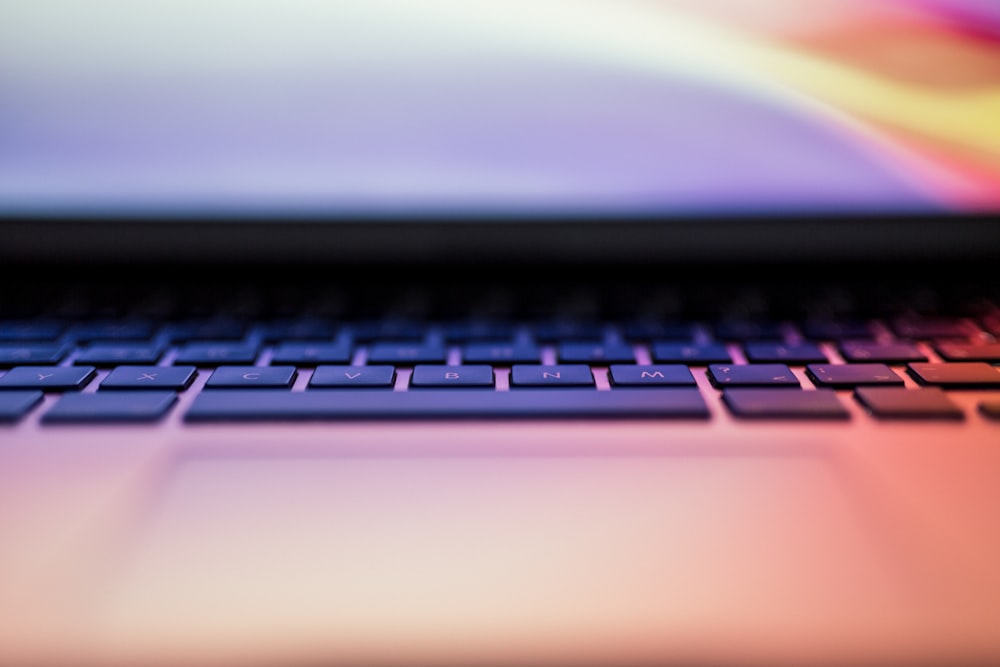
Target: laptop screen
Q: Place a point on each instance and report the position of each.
(540, 109)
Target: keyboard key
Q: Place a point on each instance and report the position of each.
(990, 408)
(267, 404)
(785, 404)
(254, 377)
(16, 404)
(755, 375)
(566, 330)
(955, 351)
(650, 330)
(19, 354)
(118, 406)
(902, 403)
(47, 378)
(407, 353)
(353, 376)
(452, 376)
(956, 374)
(562, 375)
(927, 328)
(502, 353)
(595, 353)
(739, 330)
(836, 330)
(991, 323)
(888, 353)
(149, 377)
(114, 354)
(665, 352)
(651, 375)
(399, 330)
(479, 331)
(311, 354)
(216, 353)
(30, 330)
(848, 376)
(111, 330)
(297, 330)
(787, 353)
(217, 329)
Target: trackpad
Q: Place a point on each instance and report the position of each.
(403, 558)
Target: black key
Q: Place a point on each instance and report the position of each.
(652, 375)
(787, 353)
(149, 377)
(957, 374)
(16, 404)
(889, 353)
(20, 354)
(902, 403)
(785, 404)
(955, 351)
(118, 406)
(501, 353)
(311, 354)
(407, 353)
(848, 376)
(595, 353)
(114, 354)
(544, 403)
(452, 376)
(239, 377)
(690, 353)
(216, 353)
(47, 378)
(353, 376)
(756, 375)
(562, 375)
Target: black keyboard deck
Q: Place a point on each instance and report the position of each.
(126, 353)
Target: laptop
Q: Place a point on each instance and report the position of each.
(500, 333)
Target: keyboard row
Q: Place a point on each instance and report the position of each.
(548, 331)
(312, 353)
(225, 405)
(955, 375)
(254, 393)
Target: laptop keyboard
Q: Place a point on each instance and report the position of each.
(128, 354)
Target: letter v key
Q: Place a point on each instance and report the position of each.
(353, 376)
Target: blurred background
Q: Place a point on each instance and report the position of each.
(533, 106)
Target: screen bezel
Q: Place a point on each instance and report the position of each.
(642, 239)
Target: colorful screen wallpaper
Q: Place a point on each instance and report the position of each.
(499, 106)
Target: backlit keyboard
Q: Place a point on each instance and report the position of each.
(127, 355)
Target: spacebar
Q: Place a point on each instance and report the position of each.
(335, 404)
